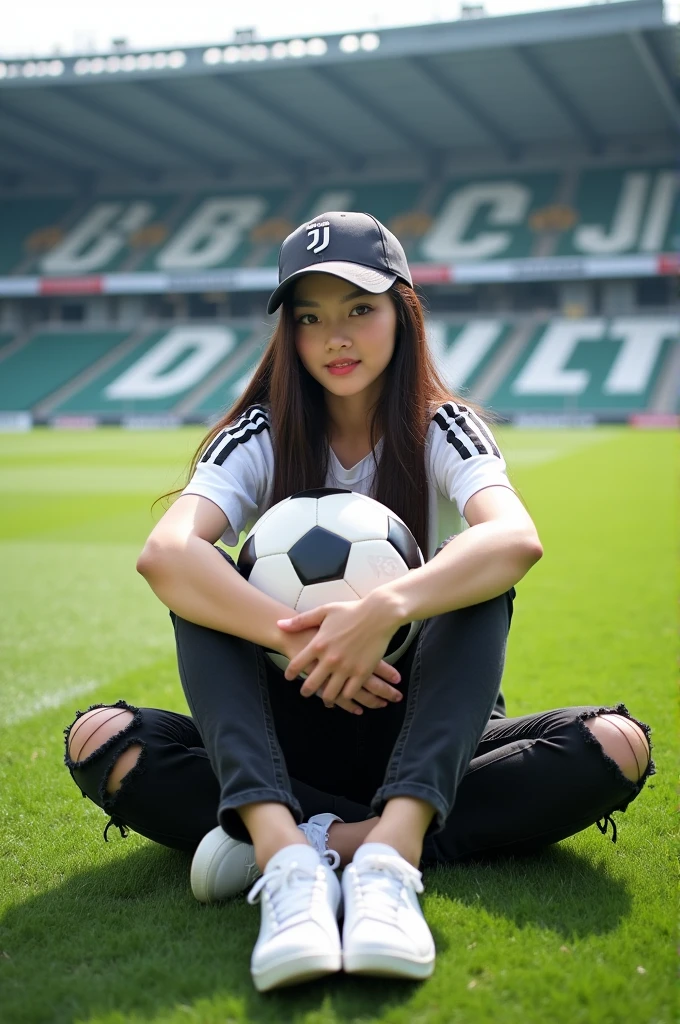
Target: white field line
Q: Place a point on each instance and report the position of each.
(50, 700)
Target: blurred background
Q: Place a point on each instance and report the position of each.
(526, 157)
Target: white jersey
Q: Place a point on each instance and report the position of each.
(236, 471)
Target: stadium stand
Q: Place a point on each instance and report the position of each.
(46, 362)
(28, 226)
(528, 164)
(587, 213)
(591, 366)
(157, 374)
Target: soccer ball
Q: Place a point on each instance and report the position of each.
(329, 544)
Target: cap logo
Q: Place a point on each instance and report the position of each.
(314, 232)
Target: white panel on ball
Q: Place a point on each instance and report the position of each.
(278, 533)
(316, 594)
(265, 516)
(274, 575)
(372, 563)
(354, 518)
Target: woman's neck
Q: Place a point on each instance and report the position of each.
(349, 420)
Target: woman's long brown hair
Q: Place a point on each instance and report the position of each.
(298, 421)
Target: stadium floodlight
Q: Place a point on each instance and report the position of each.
(177, 59)
(81, 66)
(297, 48)
(279, 51)
(56, 68)
(97, 65)
(213, 55)
(113, 64)
(259, 52)
(160, 60)
(144, 62)
(128, 62)
(369, 41)
(317, 47)
(349, 44)
(231, 54)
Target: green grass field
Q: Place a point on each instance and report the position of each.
(582, 934)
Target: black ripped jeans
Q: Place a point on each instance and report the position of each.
(498, 785)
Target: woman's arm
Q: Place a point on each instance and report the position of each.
(188, 574)
(495, 553)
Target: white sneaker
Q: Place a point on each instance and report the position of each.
(384, 932)
(223, 867)
(299, 938)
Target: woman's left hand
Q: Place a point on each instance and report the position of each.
(349, 645)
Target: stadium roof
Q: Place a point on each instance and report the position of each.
(581, 77)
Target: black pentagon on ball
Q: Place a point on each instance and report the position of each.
(320, 492)
(247, 558)
(319, 556)
(401, 538)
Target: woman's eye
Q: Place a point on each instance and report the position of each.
(361, 310)
(304, 319)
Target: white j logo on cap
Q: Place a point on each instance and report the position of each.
(314, 235)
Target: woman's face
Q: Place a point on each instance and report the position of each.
(336, 320)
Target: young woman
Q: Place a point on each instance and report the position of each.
(421, 764)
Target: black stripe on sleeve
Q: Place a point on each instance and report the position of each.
(253, 421)
(461, 418)
(451, 438)
(483, 429)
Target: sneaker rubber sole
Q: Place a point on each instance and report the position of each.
(386, 964)
(292, 971)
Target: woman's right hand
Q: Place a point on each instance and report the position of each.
(375, 693)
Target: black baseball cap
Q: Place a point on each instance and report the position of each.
(354, 246)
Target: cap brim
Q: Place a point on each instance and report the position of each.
(374, 281)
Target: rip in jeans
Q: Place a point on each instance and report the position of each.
(635, 787)
(114, 746)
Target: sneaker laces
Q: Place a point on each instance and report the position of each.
(288, 886)
(379, 882)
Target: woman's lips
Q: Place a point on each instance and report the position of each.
(339, 371)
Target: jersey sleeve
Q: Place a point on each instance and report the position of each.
(464, 456)
(235, 471)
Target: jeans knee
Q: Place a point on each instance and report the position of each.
(96, 730)
(624, 741)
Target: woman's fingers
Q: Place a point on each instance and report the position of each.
(382, 689)
(368, 699)
(317, 678)
(388, 672)
(347, 705)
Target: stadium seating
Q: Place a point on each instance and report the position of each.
(624, 211)
(612, 211)
(158, 373)
(47, 362)
(215, 231)
(28, 225)
(485, 218)
(111, 234)
(225, 393)
(594, 365)
(463, 352)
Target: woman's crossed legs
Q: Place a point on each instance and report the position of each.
(534, 780)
